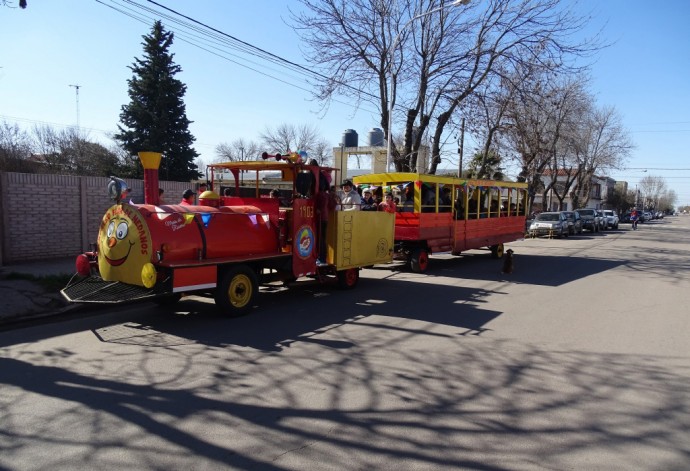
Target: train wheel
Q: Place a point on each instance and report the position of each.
(347, 279)
(237, 290)
(497, 251)
(419, 261)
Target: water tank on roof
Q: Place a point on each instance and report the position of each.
(350, 138)
(375, 137)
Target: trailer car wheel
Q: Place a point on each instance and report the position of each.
(347, 279)
(419, 260)
(497, 251)
(237, 290)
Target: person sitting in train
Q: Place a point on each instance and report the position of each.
(460, 207)
(368, 202)
(428, 199)
(493, 209)
(446, 203)
(388, 205)
(407, 202)
(349, 198)
(188, 198)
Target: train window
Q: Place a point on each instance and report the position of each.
(428, 194)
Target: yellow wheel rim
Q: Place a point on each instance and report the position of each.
(499, 250)
(240, 291)
(148, 275)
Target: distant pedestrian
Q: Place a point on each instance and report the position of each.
(161, 199)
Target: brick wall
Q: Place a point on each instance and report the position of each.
(53, 216)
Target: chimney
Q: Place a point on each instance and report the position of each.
(150, 161)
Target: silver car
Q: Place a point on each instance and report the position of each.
(590, 219)
(611, 218)
(550, 224)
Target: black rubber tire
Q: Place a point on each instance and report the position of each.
(419, 261)
(497, 251)
(347, 279)
(237, 291)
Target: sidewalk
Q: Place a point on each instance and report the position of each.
(27, 298)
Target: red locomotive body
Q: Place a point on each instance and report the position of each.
(225, 247)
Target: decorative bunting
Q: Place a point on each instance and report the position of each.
(205, 218)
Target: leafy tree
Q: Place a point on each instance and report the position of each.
(156, 118)
(485, 166)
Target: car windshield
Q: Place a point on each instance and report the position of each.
(547, 217)
(586, 212)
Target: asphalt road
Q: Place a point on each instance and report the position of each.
(580, 359)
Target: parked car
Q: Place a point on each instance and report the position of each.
(574, 222)
(611, 219)
(602, 220)
(553, 224)
(647, 216)
(590, 219)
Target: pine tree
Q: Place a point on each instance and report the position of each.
(156, 118)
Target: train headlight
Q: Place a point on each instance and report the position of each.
(117, 189)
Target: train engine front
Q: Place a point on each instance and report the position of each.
(149, 251)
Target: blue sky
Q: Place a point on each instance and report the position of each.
(53, 44)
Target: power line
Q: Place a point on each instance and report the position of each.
(198, 31)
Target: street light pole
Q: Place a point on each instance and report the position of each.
(391, 51)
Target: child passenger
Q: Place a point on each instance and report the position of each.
(388, 205)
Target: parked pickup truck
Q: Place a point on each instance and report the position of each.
(590, 220)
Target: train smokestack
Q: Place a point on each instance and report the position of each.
(151, 161)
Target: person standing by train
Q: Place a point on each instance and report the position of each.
(325, 203)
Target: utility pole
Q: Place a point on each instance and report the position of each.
(460, 146)
(76, 89)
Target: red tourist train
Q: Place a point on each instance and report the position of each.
(228, 245)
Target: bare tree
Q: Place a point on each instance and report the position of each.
(69, 152)
(651, 189)
(291, 138)
(602, 144)
(432, 61)
(15, 148)
(238, 150)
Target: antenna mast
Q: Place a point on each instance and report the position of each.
(76, 89)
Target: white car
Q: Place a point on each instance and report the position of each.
(611, 219)
(551, 224)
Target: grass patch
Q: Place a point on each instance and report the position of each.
(52, 283)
